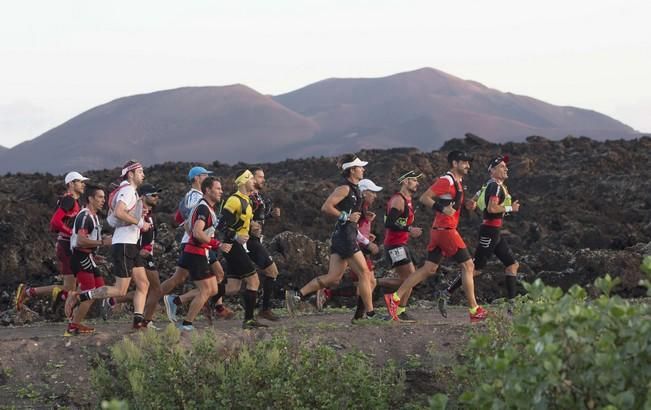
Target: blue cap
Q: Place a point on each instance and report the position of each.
(197, 171)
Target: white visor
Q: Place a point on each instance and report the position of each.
(356, 163)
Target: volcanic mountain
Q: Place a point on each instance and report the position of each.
(421, 109)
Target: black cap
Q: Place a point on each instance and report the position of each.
(497, 160)
(148, 189)
(411, 174)
(458, 156)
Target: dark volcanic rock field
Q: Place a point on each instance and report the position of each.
(586, 211)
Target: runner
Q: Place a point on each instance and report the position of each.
(399, 228)
(196, 176)
(150, 197)
(494, 197)
(445, 196)
(235, 223)
(67, 209)
(195, 256)
(86, 238)
(344, 203)
(262, 211)
(125, 214)
(366, 242)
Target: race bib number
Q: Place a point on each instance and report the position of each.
(397, 254)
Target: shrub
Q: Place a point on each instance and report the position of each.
(154, 370)
(563, 351)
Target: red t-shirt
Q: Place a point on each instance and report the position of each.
(444, 188)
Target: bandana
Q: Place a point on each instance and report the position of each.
(131, 167)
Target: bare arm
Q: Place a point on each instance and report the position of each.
(335, 197)
(122, 213)
(198, 232)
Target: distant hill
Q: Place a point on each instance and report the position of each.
(421, 109)
(230, 124)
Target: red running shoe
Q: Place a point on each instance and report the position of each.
(392, 306)
(479, 315)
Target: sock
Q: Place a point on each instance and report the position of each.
(267, 286)
(177, 301)
(371, 313)
(248, 297)
(221, 292)
(30, 292)
(359, 312)
(401, 310)
(456, 284)
(300, 295)
(510, 282)
(396, 298)
(138, 318)
(186, 323)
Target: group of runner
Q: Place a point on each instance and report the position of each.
(222, 251)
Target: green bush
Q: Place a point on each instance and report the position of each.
(155, 370)
(563, 351)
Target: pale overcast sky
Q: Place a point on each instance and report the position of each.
(60, 58)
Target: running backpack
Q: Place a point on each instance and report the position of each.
(481, 196)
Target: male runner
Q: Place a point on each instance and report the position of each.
(67, 209)
(445, 196)
(86, 238)
(399, 228)
(344, 203)
(495, 200)
(262, 211)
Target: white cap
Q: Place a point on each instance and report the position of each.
(368, 185)
(355, 163)
(74, 176)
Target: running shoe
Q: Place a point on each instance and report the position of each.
(392, 305)
(225, 313)
(375, 319)
(479, 315)
(268, 315)
(406, 318)
(21, 295)
(170, 308)
(185, 328)
(321, 299)
(55, 294)
(106, 309)
(72, 301)
(58, 298)
(74, 329)
(252, 324)
(292, 299)
(443, 297)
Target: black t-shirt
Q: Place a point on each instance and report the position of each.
(87, 224)
(147, 238)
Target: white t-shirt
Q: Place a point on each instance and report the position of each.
(190, 200)
(130, 233)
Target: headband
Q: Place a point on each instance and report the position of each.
(131, 167)
(242, 179)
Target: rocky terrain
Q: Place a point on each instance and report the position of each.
(586, 211)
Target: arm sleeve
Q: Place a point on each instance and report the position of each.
(395, 222)
(492, 193)
(56, 223)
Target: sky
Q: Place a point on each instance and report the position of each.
(61, 58)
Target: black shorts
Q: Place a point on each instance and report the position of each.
(196, 265)
(83, 262)
(126, 256)
(239, 265)
(258, 253)
(436, 256)
(398, 255)
(344, 240)
(491, 242)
